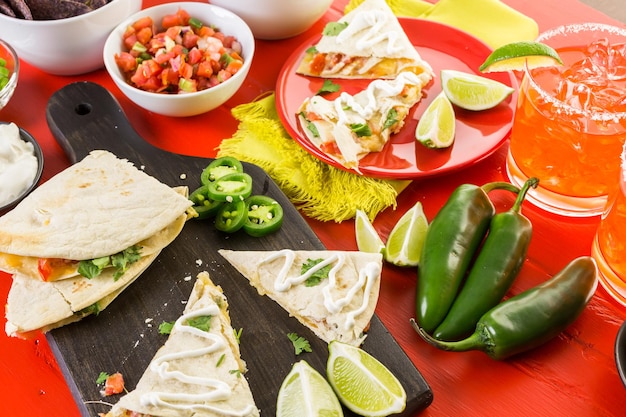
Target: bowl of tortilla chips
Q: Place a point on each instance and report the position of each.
(156, 80)
(62, 37)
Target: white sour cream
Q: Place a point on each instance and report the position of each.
(18, 163)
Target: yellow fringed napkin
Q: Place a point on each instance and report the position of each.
(319, 190)
(491, 21)
(327, 193)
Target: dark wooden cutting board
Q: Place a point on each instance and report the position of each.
(123, 338)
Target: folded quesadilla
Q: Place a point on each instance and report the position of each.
(334, 293)
(367, 42)
(199, 370)
(82, 237)
(96, 208)
(349, 127)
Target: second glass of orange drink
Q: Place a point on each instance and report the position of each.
(570, 121)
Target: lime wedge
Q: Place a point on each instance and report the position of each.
(362, 383)
(367, 238)
(406, 239)
(513, 56)
(473, 92)
(436, 127)
(306, 393)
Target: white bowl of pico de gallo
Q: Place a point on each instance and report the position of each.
(180, 59)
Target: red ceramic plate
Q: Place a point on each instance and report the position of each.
(478, 134)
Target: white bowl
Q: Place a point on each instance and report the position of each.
(13, 65)
(186, 104)
(67, 46)
(277, 19)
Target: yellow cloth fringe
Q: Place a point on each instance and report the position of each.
(491, 21)
(319, 190)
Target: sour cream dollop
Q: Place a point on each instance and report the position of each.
(18, 163)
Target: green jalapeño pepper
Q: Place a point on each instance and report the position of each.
(265, 216)
(203, 205)
(231, 216)
(220, 167)
(230, 187)
(451, 241)
(497, 265)
(532, 317)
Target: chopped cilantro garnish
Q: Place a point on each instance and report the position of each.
(236, 372)
(361, 129)
(310, 126)
(300, 344)
(238, 334)
(220, 360)
(102, 378)
(166, 327)
(120, 261)
(392, 118)
(318, 275)
(92, 309)
(201, 323)
(328, 87)
(334, 28)
(311, 50)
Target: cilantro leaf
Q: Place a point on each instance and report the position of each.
(328, 87)
(311, 50)
(201, 322)
(120, 261)
(361, 129)
(166, 327)
(310, 126)
(334, 28)
(102, 377)
(300, 344)
(392, 118)
(318, 275)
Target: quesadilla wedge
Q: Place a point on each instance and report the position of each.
(102, 211)
(349, 127)
(368, 42)
(199, 370)
(333, 293)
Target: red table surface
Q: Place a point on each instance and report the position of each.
(573, 375)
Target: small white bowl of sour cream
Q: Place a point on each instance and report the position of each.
(21, 165)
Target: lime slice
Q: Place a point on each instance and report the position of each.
(473, 92)
(406, 239)
(306, 393)
(367, 238)
(513, 56)
(362, 383)
(436, 127)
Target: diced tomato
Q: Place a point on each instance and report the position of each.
(144, 35)
(130, 40)
(194, 56)
(330, 148)
(180, 18)
(173, 32)
(185, 70)
(114, 384)
(205, 69)
(163, 57)
(52, 268)
(190, 39)
(144, 22)
(126, 62)
(44, 267)
(318, 63)
(206, 31)
(234, 66)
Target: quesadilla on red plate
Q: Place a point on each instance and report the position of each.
(368, 42)
(349, 127)
(333, 293)
(199, 370)
(82, 237)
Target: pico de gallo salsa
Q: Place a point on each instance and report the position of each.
(183, 57)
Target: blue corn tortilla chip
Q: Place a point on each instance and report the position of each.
(56, 9)
(20, 9)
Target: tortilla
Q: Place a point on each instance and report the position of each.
(97, 207)
(197, 372)
(338, 306)
(366, 43)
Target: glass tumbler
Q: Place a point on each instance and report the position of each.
(570, 121)
(609, 244)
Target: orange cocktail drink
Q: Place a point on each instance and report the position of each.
(609, 245)
(570, 121)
